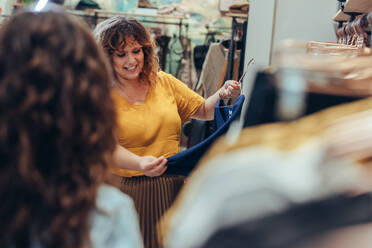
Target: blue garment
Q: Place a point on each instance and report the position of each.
(183, 162)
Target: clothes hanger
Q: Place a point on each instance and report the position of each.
(240, 81)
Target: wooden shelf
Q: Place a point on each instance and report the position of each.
(240, 16)
(353, 6)
(341, 17)
(358, 6)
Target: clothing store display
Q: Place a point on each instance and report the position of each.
(212, 68)
(281, 135)
(162, 43)
(174, 56)
(242, 50)
(273, 168)
(168, 103)
(200, 52)
(300, 225)
(263, 104)
(184, 162)
(187, 72)
(290, 155)
(251, 183)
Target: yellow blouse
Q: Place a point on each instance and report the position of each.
(154, 126)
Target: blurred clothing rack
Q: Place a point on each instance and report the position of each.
(103, 14)
(234, 25)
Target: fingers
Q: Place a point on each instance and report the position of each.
(231, 89)
(155, 166)
(160, 168)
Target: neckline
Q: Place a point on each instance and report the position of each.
(128, 101)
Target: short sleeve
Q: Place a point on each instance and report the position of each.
(188, 101)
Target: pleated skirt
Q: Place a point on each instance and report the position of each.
(152, 196)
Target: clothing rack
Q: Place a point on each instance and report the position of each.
(359, 21)
(97, 14)
(230, 59)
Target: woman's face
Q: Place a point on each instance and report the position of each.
(128, 63)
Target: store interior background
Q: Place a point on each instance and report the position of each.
(269, 22)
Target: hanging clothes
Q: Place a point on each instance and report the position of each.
(162, 42)
(289, 135)
(262, 107)
(200, 52)
(250, 184)
(174, 56)
(301, 225)
(187, 72)
(212, 68)
(184, 162)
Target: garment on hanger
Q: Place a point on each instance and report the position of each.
(184, 162)
(174, 56)
(162, 42)
(200, 52)
(287, 136)
(249, 184)
(263, 103)
(212, 68)
(300, 225)
(187, 72)
(213, 74)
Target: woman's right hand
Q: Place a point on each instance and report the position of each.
(152, 166)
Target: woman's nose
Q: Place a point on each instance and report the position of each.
(131, 58)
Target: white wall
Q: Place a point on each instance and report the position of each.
(305, 20)
(6, 6)
(271, 21)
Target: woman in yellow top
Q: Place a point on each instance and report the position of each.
(151, 105)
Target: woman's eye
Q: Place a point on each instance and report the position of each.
(137, 51)
(120, 55)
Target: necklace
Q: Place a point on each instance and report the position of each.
(138, 95)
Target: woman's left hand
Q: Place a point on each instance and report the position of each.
(231, 89)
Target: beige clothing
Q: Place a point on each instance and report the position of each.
(214, 69)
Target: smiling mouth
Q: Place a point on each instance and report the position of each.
(130, 68)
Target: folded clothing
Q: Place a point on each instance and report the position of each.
(239, 8)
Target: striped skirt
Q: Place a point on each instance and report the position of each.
(152, 196)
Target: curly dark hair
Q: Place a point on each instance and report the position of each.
(112, 34)
(56, 127)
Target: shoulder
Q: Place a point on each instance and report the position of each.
(163, 76)
(109, 198)
(168, 80)
(114, 222)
